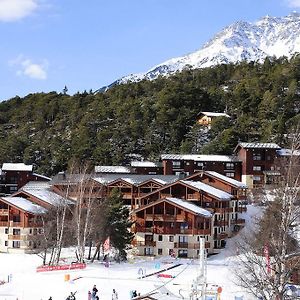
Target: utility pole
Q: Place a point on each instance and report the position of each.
(198, 289)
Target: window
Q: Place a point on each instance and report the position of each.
(13, 179)
(183, 239)
(171, 238)
(182, 253)
(187, 163)
(6, 230)
(256, 168)
(16, 231)
(13, 189)
(176, 164)
(6, 243)
(159, 251)
(229, 174)
(229, 166)
(256, 178)
(256, 156)
(16, 244)
(30, 231)
(160, 237)
(171, 252)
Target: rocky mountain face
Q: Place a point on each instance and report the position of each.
(269, 36)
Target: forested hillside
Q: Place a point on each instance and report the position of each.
(152, 117)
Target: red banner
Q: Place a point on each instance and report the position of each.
(62, 267)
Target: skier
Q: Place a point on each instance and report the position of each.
(114, 295)
(94, 293)
(72, 296)
(89, 295)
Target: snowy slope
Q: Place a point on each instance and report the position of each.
(269, 36)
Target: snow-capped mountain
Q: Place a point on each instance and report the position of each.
(269, 36)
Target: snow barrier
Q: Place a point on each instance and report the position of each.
(61, 267)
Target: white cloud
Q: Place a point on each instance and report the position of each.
(293, 3)
(26, 67)
(12, 10)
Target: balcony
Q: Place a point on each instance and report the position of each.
(242, 209)
(166, 218)
(194, 196)
(163, 195)
(127, 195)
(3, 212)
(238, 222)
(191, 245)
(16, 237)
(221, 236)
(144, 243)
(3, 224)
(168, 230)
(220, 223)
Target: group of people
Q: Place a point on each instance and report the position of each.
(93, 295)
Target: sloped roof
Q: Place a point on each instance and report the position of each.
(179, 202)
(227, 179)
(214, 114)
(135, 179)
(258, 145)
(208, 189)
(288, 152)
(25, 205)
(41, 176)
(198, 157)
(112, 169)
(16, 167)
(145, 164)
(190, 206)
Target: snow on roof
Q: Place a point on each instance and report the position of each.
(144, 164)
(190, 206)
(214, 114)
(227, 179)
(47, 196)
(259, 145)
(36, 185)
(208, 189)
(288, 152)
(16, 167)
(41, 176)
(198, 157)
(136, 179)
(112, 169)
(25, 205)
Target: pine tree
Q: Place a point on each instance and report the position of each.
(118, 224)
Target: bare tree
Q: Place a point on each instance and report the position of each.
(268, 253)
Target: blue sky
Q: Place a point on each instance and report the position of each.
(47, 44)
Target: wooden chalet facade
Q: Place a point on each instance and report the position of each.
(19, 220)
(205, 118)
(15, 175)
(188, 164)
(224, 198)
(258, 163)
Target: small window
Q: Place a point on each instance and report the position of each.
(229, 166)
(171, 238)
(256, 156)
(6, 243)
(6, 230)
(230, 174)
(187, 163)
(176, 164)
(256, 168)
(16, 244)
(160, 237)
(200, 164)
(256, 178)
(159, 251)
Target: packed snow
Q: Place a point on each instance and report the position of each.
(26, 284)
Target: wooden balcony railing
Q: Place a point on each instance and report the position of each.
(127, 195)
(238, 222)
(168, 230)
(3, 212)
(193, 196)
(190, 245)
(221, 223)
(144, 243)
(242, 209)
(3, 224)
(16, 237)
(162, 217)
(221, 236)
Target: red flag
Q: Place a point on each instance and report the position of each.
(106, 245)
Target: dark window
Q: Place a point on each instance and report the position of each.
(256, 156)
(16, 231)
(6, 230)
(16, 244)
(171, 238)
(6, 243)
(160, 237)
(159, 251)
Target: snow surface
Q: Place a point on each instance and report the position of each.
(190, 206)
(112, 169)
(16, 167)
(214, 114)
(144, 164)
(197, 157)
(227, 179)
(208, 189)
(25, 205)
(26, 284)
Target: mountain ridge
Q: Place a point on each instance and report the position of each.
(240, 41)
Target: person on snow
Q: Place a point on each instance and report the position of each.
(114, 295)
(94, 292)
